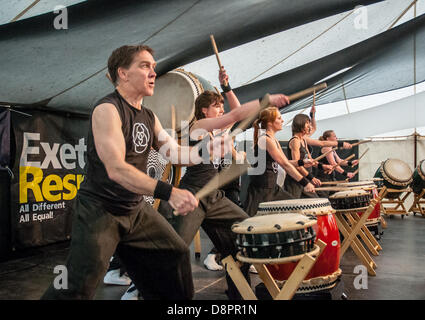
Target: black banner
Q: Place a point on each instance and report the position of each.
(50, 158)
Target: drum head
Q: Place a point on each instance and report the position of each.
(274, 223)
(398, 171)
(180, 89)
(317, 206)
(349, 194)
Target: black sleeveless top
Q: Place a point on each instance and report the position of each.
(303, 153)
(199, 175)
(269, 178)
(138, 131)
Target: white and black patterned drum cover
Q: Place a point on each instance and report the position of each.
(155, 169)
(276, 236)
(350, 200)
(313, 206)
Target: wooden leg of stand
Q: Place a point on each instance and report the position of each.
(357, 247)
(298, 275)
(239, 280)
(373, 242)
(268, 280)
(197, 244)
(383, 223)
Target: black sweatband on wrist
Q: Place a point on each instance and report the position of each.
(162, 190)
(303, 182)
(300, 163)
(310, 176)
(340, 144)
(350, 163)
(311, 115)
(225, 88)
(320, 166)
(345, 173)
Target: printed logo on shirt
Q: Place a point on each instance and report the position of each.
(141, 137)
(275, 167)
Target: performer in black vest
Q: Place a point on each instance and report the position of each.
(215, 213)
(263, 187)
(298, 149)
(110, 214)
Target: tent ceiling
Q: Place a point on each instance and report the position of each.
(64, 69)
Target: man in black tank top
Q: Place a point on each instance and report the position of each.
(109, 212)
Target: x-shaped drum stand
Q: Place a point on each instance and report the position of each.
(352, 226)
(417, 203)
(306, 262)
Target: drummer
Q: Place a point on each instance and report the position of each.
(215, 212)
(264, 187)
(334, 160)
(298, 149)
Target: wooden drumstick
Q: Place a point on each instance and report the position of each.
(361, 156)
(325, 154)
(307, 92)
(333, 182)
(346, 159)
(216, 54)
(360, 142)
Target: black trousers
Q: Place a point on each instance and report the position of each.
(156, 258)
(297, 190)
(215, 214)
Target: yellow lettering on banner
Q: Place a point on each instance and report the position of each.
(70, 187)
(48, 187)
(80, 178)
(24, 184)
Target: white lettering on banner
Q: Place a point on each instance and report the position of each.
(360, 21)
(68, 154)
(360, 281)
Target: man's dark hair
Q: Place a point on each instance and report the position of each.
(123, 57)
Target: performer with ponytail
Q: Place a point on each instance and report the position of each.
(264, 187)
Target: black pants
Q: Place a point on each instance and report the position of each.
(256, 195)
(297, 190)
(156, 258)
(215, 214)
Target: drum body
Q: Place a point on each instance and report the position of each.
(350, 200)
(396, 174)
(418, 178)
(326, 230)
(370, 186)
(278, 237)
(180, 89)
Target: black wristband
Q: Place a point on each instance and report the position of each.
(300, 163)
(320, 166)
(340, 144)
(225, 88)
(345, 173)
(350, 163)
(162, 190)
(310, 176)
(311, 115)
(303, 182)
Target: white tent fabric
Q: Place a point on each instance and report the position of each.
(247, 61)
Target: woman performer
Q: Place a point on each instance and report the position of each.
(264, 187)
(215, 212)
(333, 159)
(298, 149)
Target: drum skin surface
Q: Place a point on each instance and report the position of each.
(396, 174)
(328, 262)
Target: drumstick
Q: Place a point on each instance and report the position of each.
(361, 156)
(333, 182)
(360, 142)
(325, 154)
(173, 120)
(346, 159)
(216, 54)
(307, 92)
